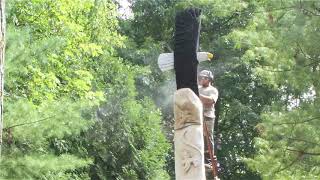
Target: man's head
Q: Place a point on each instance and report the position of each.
(205, 78)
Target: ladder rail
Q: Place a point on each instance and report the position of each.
(211, 153)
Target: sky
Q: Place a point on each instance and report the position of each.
(125, 10)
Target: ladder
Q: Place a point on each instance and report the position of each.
(213, 158)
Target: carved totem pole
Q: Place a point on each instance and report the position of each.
(188, 112)
(188, 137)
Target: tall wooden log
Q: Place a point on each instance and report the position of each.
(188, 136)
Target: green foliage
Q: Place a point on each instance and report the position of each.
(81, 86)
(62, 64)
(39, 166)
(134, 128)
(277, 43)
(218, 8)
(62, 67)
(54, 120)
(242, 94)
(29, 132)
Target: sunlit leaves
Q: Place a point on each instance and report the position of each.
(219, 8)
(62, 65)
(39, 166)
(36, 125)
(289, 62)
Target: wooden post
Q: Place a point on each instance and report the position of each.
(2, 51)
(188, 136)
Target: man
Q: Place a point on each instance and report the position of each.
(208, 96)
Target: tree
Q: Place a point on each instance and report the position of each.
(62, 69)
(280, 43)
(2, 50)
(243, 95)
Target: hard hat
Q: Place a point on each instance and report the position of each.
(206, 73)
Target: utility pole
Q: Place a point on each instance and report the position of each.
(2, 51)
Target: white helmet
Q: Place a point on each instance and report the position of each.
(206, 73)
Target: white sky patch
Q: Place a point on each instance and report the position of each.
(124, 10)
(294, 102)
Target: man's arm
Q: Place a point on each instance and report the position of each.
(209, 101)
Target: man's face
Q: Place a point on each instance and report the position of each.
(204, 81)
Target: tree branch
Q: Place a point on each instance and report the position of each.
(301, 122)
(314, 61)
(22, 124)
(310, 12)
(307, 10)
(302, 152)
(289, 165)
(275, 9)
(308, 57)
(285, 70)
(302, 140)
